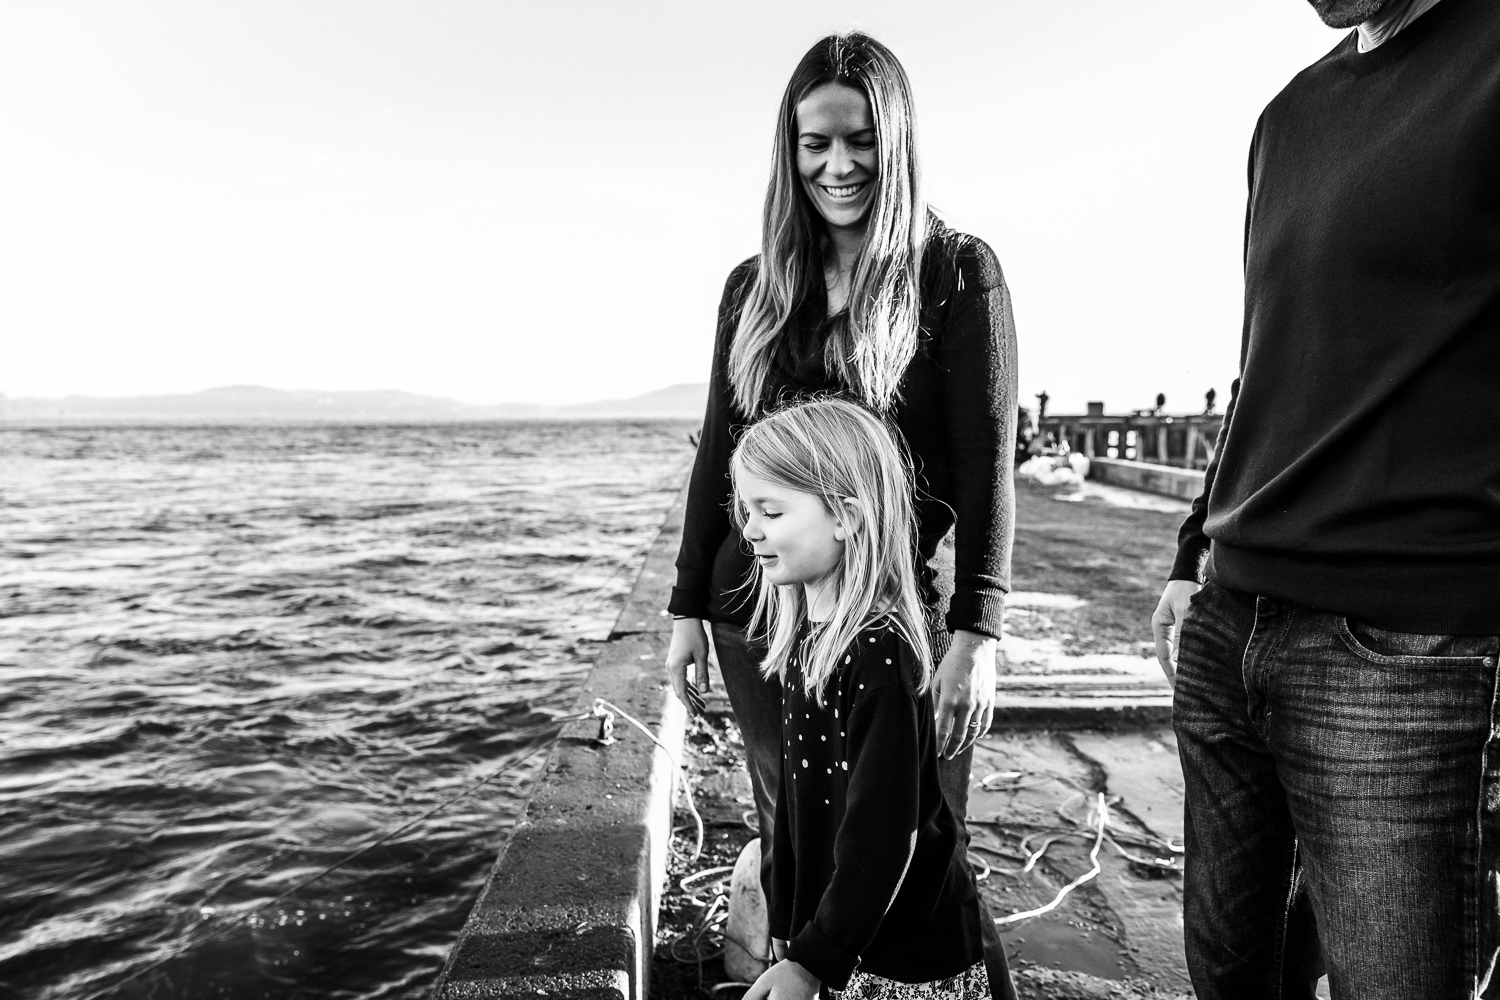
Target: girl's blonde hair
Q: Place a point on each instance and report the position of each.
(836, 450)
(869, 346)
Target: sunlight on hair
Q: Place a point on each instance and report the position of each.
(870, 345)
(833, 450)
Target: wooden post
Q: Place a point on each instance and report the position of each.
(1190, 460)
(1163, 456)
(1088, 442)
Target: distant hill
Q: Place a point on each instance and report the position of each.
(255, 403)
(687, 400)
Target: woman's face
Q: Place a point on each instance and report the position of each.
(837, 156)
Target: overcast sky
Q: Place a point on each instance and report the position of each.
(508, 201)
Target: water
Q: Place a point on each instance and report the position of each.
(230, 655)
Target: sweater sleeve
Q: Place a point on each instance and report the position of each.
(779, 876)
(875, 839)
(1191, 541)
(706, 520)
(979, 394)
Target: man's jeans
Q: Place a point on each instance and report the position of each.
(1343, 789)
(757, 710)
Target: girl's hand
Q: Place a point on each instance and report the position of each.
(964, 691)
(786, 980)
(689, 646)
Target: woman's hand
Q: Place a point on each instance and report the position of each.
(964, 691)
(1166, 623)
(778, 948)
(689, 646)
(786, 980)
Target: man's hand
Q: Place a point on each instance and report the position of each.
(786, 980)
(963, 690)
(778, 948)
(1166, 623)
(689, 647)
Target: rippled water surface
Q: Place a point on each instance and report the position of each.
(231, 655)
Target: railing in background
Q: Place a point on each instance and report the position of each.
(1186, 441)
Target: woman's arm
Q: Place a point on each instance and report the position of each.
(875, 840)
(706, 519)
(978, 358)
(978, 345)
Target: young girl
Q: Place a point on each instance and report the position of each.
(868, 887)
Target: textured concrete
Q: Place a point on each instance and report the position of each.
(1121, 933)
(1185, 484)
(569, 910)
(1074, 712)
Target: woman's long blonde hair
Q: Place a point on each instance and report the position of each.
(836, 450)
(871, 343)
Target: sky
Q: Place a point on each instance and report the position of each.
(539, 202)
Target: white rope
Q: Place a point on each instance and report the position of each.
(1103, 813)
(600, 703)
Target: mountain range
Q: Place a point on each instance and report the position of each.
(257, 403)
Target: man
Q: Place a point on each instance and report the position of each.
(1336, 700)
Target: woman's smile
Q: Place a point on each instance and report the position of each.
(847, 191)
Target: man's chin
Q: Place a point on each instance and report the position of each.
(1347, 13)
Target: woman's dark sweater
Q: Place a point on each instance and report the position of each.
(957, 411)
(1358, 471)
(868, 867)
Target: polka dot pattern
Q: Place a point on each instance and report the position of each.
(816, 742)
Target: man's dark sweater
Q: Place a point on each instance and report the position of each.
(956, 412)
(868, 868)
(1358, 471)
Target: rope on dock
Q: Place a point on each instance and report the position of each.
(1097, 823)
(601, 705)
(709, 933)
(1101, 810)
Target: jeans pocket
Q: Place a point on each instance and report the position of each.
(1382, 646)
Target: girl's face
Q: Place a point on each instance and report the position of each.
(795, 538)
(837, 156)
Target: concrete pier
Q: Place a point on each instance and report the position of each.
(1185, 484)
(569, 909)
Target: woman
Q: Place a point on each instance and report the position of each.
(858, 291)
